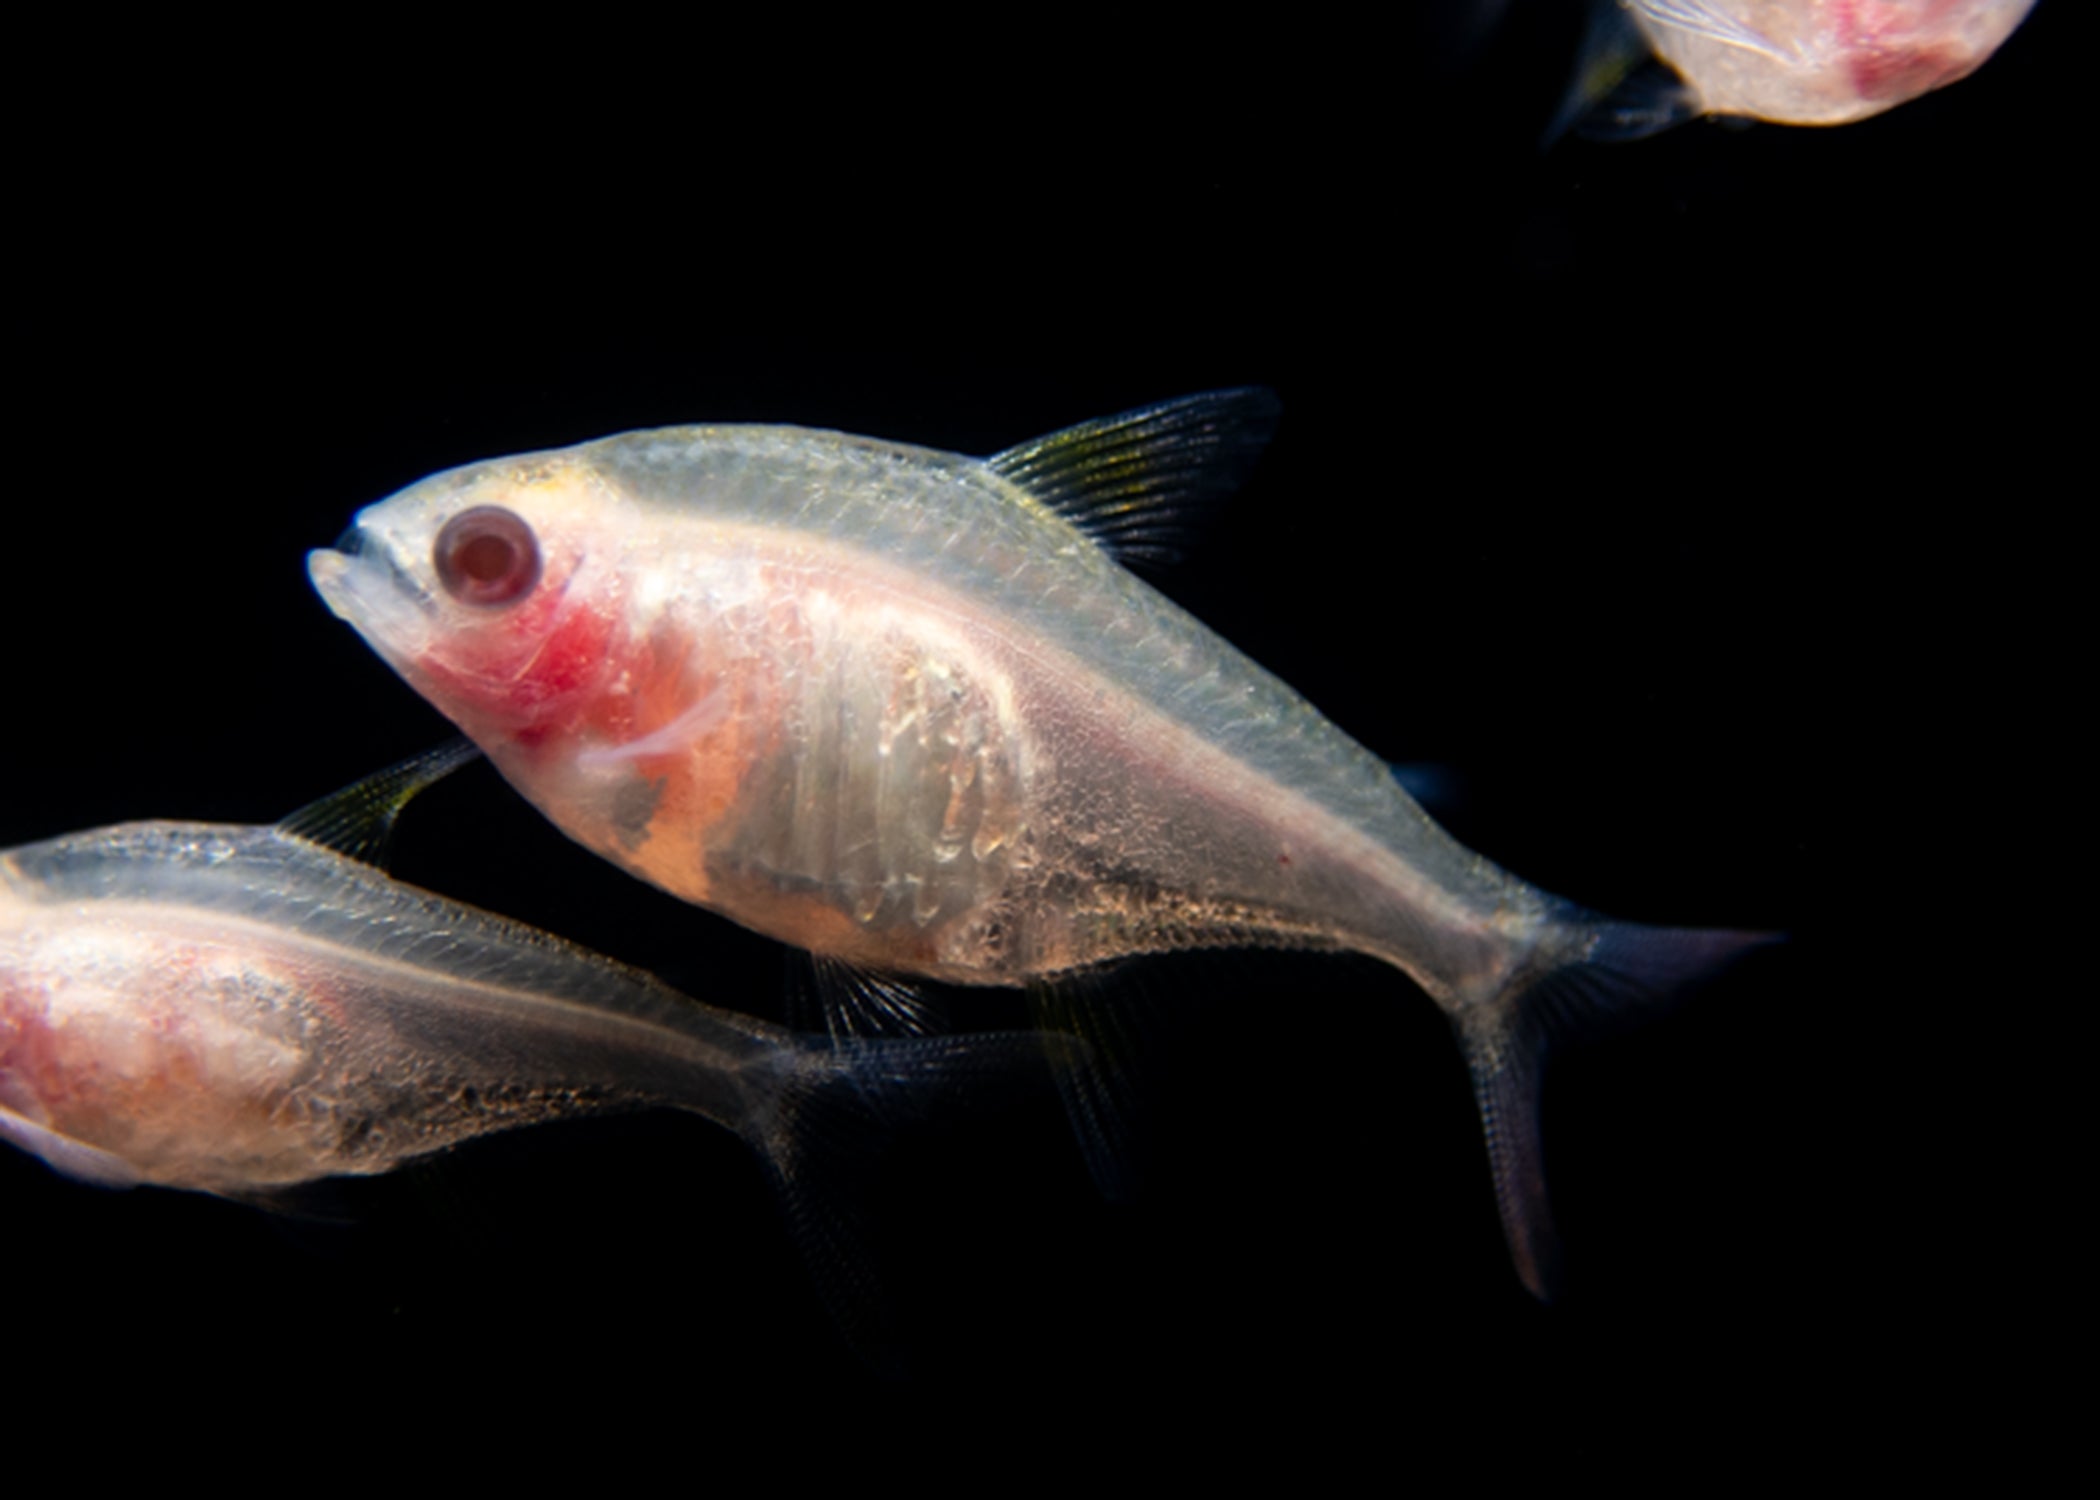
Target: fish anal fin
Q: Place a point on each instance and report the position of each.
(1092, 1047)
(839, 1111)
(358, 821)
(1099, 1079)
(1135, 484)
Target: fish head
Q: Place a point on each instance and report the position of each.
(1823, 62)
(484, 588)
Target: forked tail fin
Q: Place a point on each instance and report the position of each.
(1590, 973)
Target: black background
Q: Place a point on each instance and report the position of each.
(1660, 491)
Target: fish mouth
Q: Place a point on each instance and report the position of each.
(363, 583)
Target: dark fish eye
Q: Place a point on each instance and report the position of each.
(487, 555)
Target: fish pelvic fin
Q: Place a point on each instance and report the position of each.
(1590, 974)
(836, 1112)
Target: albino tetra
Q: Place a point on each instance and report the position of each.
(1795, 62)
(908, 710)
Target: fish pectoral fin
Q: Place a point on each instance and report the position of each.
(1134, 484)
(358, 821)
(1621, 91)
(1703, 18)
(674, 738)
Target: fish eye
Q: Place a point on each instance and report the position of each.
(487, 555)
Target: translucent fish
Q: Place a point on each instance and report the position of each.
(909, 710)
(1797, 62)
(237, 1010)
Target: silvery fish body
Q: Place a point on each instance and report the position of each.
(237, 1010)
(879, 702)
(1821, 62)
(233, 1009)
(907, 709)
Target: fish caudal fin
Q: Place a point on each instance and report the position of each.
(1594, 974)
(837, 1111)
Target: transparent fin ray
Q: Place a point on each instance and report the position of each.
(1702, 18)
(1613, 973)
(1135, 483)
(856, 1004)
(1099, 1081)
(1621, 91)
(837, 1114)
(358, 821)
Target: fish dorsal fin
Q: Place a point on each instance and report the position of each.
(1135, 483)
(358, 821)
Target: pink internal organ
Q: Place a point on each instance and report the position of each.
(1896, 52)
(148, 1067)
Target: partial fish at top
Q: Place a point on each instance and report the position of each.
(908, 710)
(1794, 62)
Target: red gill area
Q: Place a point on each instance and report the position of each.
(521, 674)
(573, 657)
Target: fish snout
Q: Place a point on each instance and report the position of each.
(364, 582)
